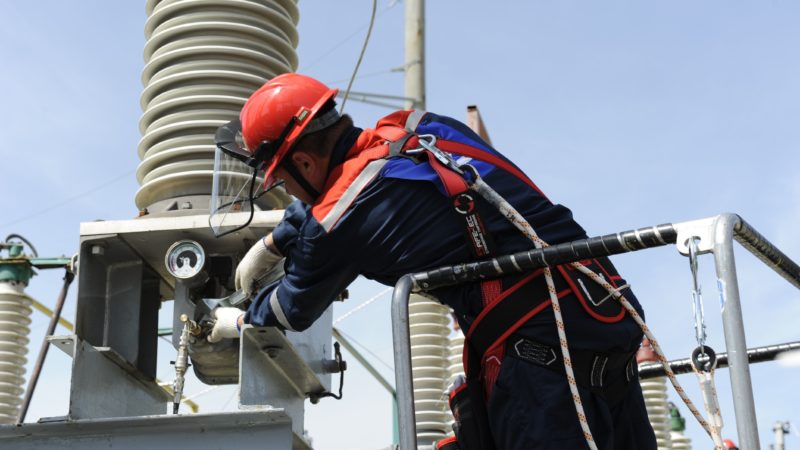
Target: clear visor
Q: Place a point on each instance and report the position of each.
(233, 193)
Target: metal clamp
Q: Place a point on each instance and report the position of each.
(702, 229)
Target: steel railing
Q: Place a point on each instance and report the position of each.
(715, 234)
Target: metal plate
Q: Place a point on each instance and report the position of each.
(65, 343)
(265, 429)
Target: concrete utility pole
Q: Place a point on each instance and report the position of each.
(415, 54)
(780, 429)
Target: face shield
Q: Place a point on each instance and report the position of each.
(237, 186)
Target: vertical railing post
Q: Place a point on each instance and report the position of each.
(401, 336)
(733, 325)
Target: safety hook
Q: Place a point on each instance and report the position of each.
(709, 360)
(697, 295)
(691, 243)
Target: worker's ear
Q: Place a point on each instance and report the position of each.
(307, 164)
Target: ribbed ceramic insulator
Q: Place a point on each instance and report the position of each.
(429, 322)
(680, 441)
(15, 312)
(655, 400)
(203, 59)
(455, 366)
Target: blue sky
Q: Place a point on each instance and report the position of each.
(629, 113)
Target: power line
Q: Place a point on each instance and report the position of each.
(203, 392)
(225, 405)
(345, 40)
(367, 75)
(68, 200)
(374, 355)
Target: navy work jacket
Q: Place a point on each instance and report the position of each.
(387, 217)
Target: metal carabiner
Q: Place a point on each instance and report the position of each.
(430, 145)
(428, 142)
(697, 295)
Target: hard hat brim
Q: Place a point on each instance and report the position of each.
(304, 116)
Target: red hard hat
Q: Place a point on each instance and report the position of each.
(268, 112)
(729, 444)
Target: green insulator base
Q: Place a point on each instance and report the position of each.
(19, 272)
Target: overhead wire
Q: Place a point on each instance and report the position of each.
(203, 392)
(225, 405)
(345, 40)
(361, 55)
(366, 75)
(363, 347)
(68, 200)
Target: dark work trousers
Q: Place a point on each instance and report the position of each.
(531, 408)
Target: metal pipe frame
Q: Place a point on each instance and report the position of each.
(682, 366)
(401, 337)
(716, 236)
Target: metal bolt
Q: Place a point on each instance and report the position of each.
(330, 366)
(272, 350)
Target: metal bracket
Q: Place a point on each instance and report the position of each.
(273, 373)
(270, 345)
(702, 228)
(65, 343)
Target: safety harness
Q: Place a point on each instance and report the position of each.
(474, 431)
(492, 333)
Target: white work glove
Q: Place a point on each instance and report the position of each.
(226, 325)
(255, 265)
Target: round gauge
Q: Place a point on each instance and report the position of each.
(185, 259)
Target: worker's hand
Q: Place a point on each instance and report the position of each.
(258, 261)
(226, 325)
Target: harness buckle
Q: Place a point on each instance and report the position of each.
(427, 143)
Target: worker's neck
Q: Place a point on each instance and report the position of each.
(345, 139)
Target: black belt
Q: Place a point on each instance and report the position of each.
(591, 368)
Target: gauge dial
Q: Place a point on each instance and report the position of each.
(185, 259)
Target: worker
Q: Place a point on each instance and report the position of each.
(368, 204)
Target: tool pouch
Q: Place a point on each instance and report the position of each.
(471, 424)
